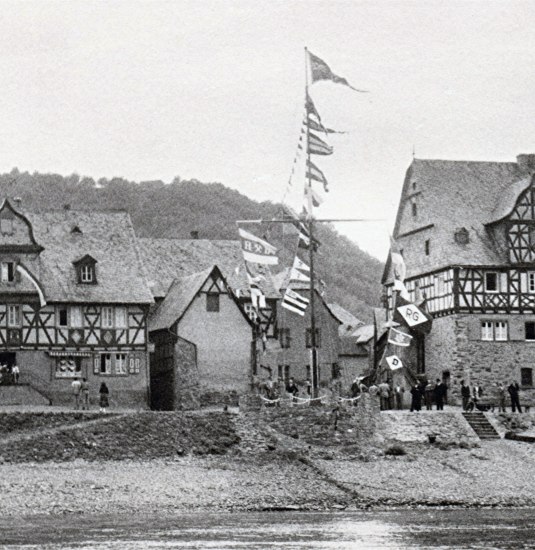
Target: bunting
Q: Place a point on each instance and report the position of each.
(299, 264)
(311, 197)
(296, 275)
(314, 173)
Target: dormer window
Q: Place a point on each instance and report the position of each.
(76, 230)
(85, 270)
(87, 273)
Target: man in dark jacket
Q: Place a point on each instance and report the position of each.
(513, 390)
(439, 394)
(465, 394)
(416, 401)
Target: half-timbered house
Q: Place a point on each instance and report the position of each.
(467, 233)
(74, 303)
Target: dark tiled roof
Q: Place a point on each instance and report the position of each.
(348, 319)
(108, 237)
(179, 296)
(450, 195)
(167, 259)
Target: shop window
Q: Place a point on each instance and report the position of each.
(212, 302)
(68, 367)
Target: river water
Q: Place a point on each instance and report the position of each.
(401, 529)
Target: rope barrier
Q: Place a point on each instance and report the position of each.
(349, 398)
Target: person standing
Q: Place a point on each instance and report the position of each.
(400, 390)
(428, 396)
(85, 394)
(416, 401)
(104, 393)
(308, 385)
(501, 396)
(16, 373)
(439, 393)
(514, 390)
(384, 394)
(76, 387)
(292, 389)
(465, 395)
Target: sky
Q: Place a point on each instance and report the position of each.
(213, 90)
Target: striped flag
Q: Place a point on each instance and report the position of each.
(256, 250)
(296, 275)
(294, 302)
(318, 127)
(299, 264)
(317, 146)
(314, 173)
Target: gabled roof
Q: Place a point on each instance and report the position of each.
(449, 196)
(167, 259)
(346, 318)
(108, 237)
(179, 297)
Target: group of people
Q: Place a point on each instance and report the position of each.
(498, 394)
(430, 394)
(273, 390)
(9, 374)
(389, 397)
(80, 392)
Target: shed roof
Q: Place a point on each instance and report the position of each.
(108, 237)
(167, 259)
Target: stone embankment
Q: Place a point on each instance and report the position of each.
(275, 459)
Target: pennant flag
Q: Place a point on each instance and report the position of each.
(311, 198)
(394, 362)
(317, 146)
(24, 272)
(294, 302)
(398, 263)
(314, 173)
(412, 316)
(311, 109)
(318, 127)
(296, 275)
(399, 338)
(321, 71)
(299, 264)
(257, 250)
(402, 289)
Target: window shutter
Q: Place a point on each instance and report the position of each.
(132, 366)
(96, 364)
(138, 363)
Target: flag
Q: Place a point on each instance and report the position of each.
(296, 275)
(394, 362)
(318, 127)
(294, 302)
(299, 264)
(311, 109)
(398, 263)
(402, 289)
(321, 71)
(398, 338)
(257, 250)
(317, 146)
(412, 316)
(23, 271)
(314, 173)
(311, 197)
(257, 296)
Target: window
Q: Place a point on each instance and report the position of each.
(250, 311)
(68, 367)
(526, 377)
(87, 273)
(284, 337)
(308, 338)
(494, 330)
(414, 210)
(427, 247)
(335, 371)
(107, 317)
(120, 317)
(6, 226)
(76, 317)
(121, 364)
(105, 363)
(7, 272)
(530, 330)
(13, 316)
(531, 281)
(491, 282)
(212, 302)
(63, 318)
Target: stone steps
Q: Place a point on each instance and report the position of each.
(479, 423)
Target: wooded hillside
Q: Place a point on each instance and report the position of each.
(174, 210)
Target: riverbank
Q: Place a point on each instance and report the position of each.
(164, 464)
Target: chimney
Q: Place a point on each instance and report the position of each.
(17, 201)
(194, 234)
(526, 163)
